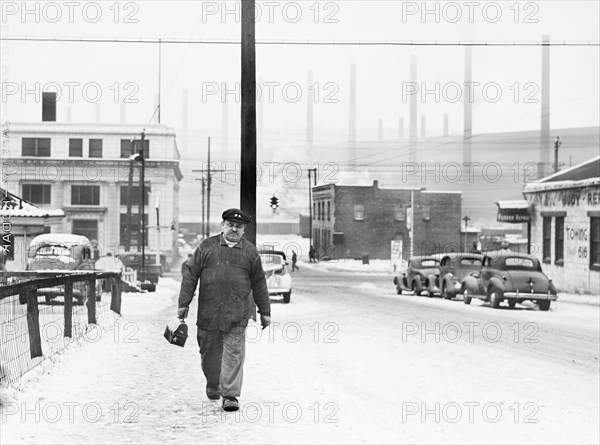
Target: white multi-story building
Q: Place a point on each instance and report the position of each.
(84, 169)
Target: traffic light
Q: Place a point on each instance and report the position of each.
(274, 202)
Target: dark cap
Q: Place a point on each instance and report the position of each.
(236, 215)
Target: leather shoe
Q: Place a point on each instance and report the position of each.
(212, 394)
(230, 404)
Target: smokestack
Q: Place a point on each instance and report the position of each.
(156, 110)
(545, 145)
(413, 111)
(446, 132)
(310, 100)
(401, 128)
(184, 123)
(225, 125)
(380, 130)
(48, 106)
(352, 123)
(468, 108)
(423, 131)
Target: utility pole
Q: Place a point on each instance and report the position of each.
(129, 194)
(557, 144)
(206, 183)
(143, 206)
(248, 117)
(310, 215)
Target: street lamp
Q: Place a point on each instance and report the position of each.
(139, 157)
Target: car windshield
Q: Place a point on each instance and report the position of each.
(471, 262)
(429, 263)
(516, 263)
(53, 251)
(268, 258)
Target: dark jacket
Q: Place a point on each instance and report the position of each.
(231, 281)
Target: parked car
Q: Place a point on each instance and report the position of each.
(422, 274)
(511, 276)
(279, 280)
(133, 260)
(454, 267)
(61, 252)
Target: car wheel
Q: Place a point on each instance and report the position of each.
(445, 294)
(512, 303)
(287, 296)
(544, 305)
(495, 298)
(416, 288)
(466, 297)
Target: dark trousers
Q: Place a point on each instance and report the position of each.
(223, 355)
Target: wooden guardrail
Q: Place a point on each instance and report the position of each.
(27, 290)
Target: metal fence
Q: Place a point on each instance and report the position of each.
(41, 313)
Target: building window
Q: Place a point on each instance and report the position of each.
(359, 212)
(595, 243)
(86, 227)
(37, 193)
(95, 148)
(76, 147)
(85, 195)
(547, 230)
(399, 213)
(35, 147)
(126, 147)
(314, 215)
(135, 197)
(328, 210)
(559, 240)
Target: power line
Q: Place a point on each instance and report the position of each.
(155, 41)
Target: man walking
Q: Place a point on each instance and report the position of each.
(294, 260)
(231, 281)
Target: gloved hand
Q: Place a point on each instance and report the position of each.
(265, 320)
(182, 312)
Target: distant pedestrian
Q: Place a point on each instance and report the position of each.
(232, 282)
(312, 255)
(294, 259)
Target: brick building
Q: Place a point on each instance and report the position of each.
(83, 170)
(565, 226)
(350, 221)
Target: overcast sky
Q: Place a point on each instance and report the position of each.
(506, 79)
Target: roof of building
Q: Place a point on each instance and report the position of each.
(14, 206)
(584, 174)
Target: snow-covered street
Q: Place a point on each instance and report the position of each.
(347, 361)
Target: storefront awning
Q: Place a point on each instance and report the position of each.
(513, 211)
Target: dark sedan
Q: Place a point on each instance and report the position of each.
(511, 276)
